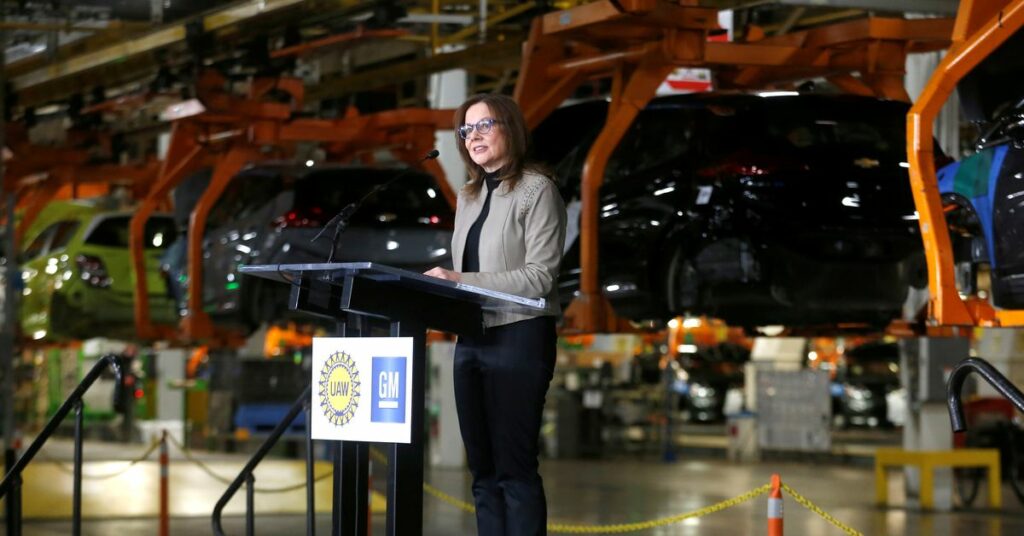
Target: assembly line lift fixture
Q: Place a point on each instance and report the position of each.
(638, 43)
(231, 132)
(981, 27)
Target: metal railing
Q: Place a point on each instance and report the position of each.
(246, 477)
(990, 374)
(12, 480)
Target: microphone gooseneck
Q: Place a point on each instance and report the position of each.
(340, 220)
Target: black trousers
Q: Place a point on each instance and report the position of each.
(501, 379)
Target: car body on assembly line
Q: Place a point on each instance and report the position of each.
(865, 386)
(77, 275)
(763, 208)
(269, 214)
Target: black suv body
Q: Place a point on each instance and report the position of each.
(771, 208)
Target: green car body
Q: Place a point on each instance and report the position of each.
(78, 281)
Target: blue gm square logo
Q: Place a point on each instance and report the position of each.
(388, 390)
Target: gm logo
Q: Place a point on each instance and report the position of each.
(388, 390)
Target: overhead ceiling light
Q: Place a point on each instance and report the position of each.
(778, 94)
(182, 110)
(440, 18)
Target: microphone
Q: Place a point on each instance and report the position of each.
(340, 220)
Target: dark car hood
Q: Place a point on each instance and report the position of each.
(839, 186)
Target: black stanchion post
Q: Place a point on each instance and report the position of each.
(12, 516)
(14, 500)
(76, 505)
(250, 507)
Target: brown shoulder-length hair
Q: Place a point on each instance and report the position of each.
(510, 119)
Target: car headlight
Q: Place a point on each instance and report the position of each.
(702, 390)
(857, 393)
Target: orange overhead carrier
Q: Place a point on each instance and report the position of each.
(981, 26)
(39, 174)
(637, 43)
(232, 132)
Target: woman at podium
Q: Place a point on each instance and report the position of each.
(509, 234)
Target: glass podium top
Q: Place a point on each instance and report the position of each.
(489, 300)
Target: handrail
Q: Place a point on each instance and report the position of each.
(990, 374)
(12, 480)
(246, 476)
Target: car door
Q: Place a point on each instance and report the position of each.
(237, 224)
(1008, 224)
(645, 186)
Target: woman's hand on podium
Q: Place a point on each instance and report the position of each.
(441, 273)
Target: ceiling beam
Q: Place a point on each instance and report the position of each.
(142, 46)
(945, 7)
(491, 55)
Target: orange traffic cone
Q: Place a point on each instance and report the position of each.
(775, 507)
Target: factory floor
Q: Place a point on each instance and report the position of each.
(622, 489)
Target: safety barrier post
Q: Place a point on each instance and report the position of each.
(165, 525)
(775, 507)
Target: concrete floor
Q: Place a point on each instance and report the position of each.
(610, 491)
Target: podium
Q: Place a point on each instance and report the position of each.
(355, 296)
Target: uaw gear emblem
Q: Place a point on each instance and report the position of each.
(339, 388)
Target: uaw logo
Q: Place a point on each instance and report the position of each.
(388, 400)
(339, 388)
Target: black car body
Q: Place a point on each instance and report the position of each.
(869, 373)
(711, 373)
(269, 214)
(771, 208)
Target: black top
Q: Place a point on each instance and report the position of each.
(471, 255)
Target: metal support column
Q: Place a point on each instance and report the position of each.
(405, 462)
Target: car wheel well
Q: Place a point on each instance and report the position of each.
(681, 286)
(967, 240)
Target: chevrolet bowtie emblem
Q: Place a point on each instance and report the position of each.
(866, 163)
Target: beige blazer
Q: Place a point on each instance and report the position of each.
(520, 243)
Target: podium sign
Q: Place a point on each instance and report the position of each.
(362, 389)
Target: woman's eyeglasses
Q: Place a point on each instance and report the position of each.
(482, 126)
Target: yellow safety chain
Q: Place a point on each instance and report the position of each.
(645, 525)
(806, 503)
(601, 529)
(206, 469)
(69, 469)
(444, 497)
(566, 528)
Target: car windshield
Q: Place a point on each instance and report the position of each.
(412, 199)
(112, 231)
(873, 369)
(873, 363)
(792, 124)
